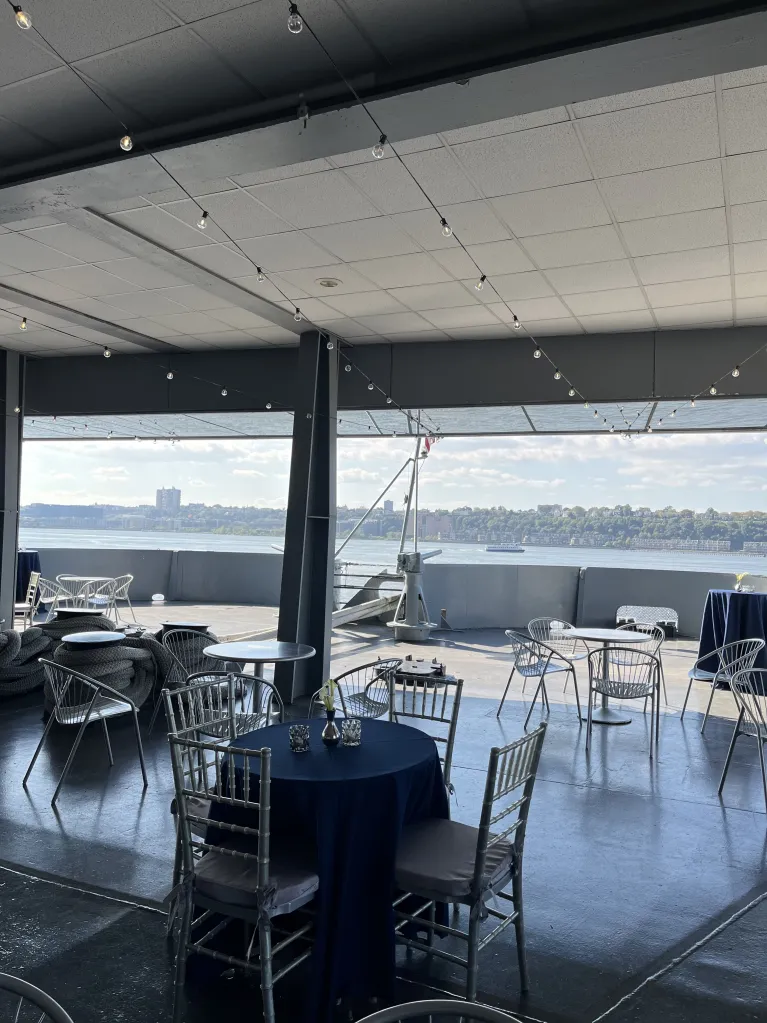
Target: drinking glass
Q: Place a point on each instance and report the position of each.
(299, 738)
(351, 731)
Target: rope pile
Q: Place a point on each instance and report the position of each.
(20, 670)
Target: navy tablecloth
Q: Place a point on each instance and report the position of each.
(351, 804)
(26, 563)
(729, 616)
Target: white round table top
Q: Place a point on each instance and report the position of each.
(88, 578)
(265, 651)
(623, 637)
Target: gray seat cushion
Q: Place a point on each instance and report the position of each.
(435, 859)
(234, 881)
(700, 676)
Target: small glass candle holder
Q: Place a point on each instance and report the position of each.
(351, 731)
(299, 738)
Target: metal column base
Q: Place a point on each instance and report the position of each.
(412, 633)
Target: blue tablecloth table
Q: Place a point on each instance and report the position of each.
(728, 616)
(350, 804)
(27, 562)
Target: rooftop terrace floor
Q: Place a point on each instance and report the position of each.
(642, 888)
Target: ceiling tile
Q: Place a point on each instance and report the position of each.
(456, 262)
(567, 248)
(683, 266)
(747, 177)
(23, 253)
(689, 315)
(312, 308)
(240, 216)
(553, 209)
(749, 76)
(144, 275)
(291, 251)
(241, 319)
(637, 319)
(685, 292)
(222, 338)
(514, 286)
(660, 135)
(190, 323)
(75, 243)
(368, 303)
(617, 300)
(345, 327)
(485, 333)
(745, 122)
(434, 296)
(441, 177)
(292, 170)
(307, 280)
(34, 285)
(613, 273)
(750, 285)
(364, 239)
(315, 199)
(534, 309)
(472, 222)
(145, 303)
(159, 226)
(525, 160)
(750, 256)
(520, 122)
(697, 230)
(88, 280)
(389, 185)
(278, 335)
(461, 316)
(500, 258)
(749, 221)
(643, 97)
(751, 308)
(104, 311)
(657, 193)
(395, 323)
(143, 325)
(564, 325)
(402, 271)
(423, 226)
(190, 297)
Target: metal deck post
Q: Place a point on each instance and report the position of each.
(12, 391)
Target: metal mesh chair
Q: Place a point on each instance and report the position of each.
(51, 593)
(101, 597)
(749, 689)
(533, 659)
(430, 699)
(655, 636)
(553, 632)
(364, 691)
(122, 586)
(26, 609)
(72, 591)
(625, 673)
(431, 1010)
(444, 861)
(245, 877)
(22, 1002)
(732, 657)
(186, 648)
(79, 700)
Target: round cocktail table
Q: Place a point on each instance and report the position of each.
(605, 715)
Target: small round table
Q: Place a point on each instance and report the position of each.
(93, 640)
(258, 652)
(604, 715)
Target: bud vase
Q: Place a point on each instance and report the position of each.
(330, 733)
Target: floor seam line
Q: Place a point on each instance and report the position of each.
(83, 889)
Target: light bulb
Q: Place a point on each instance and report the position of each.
(571, 392)
(585, 404)
(298, 315)
(295, 24)
(308, 415)
(24, 323)
(480, 283)
(447, 230)
(268, 404)
(596, 414)
(202, 223)
(388, 400)
(329, 346)
(169, 375)
(649, 429)
(126, 143)
(517, 324)
(673, 413)
(612, 429)
(692, 403)
(378, 148)
(712, 389)
(224, 392)
(557, 375)
(348, 367)
(24, 21)
(107, 354)
(260, 275)
(736, 371)
(17, 409)
(659, 422)
(370, 386)
(537, 353)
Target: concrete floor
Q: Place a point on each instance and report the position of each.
(642, 887)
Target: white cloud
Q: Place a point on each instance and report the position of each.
(114, 473)
(248, 472)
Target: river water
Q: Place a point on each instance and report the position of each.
(384, 552)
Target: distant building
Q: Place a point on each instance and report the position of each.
(388, 507)
(169, 500)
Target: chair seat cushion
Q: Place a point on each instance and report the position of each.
(234, 881)
(435, 859)
(700, 676)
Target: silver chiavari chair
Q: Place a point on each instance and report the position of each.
(432, 700)
(80, 700)
(364, 691)
(22, 1002)
(625, 673)
(534, 659)
(444, 861)
(731, 658)
(243, 875)
(749, 688)
(438, 1007)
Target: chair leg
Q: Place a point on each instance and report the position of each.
(519, 927)
(588, 718)
(109, 744)
(764, 771)
(140, 747)
(37, 751)
(532, 705)
(652, 723)
(500, 705)
(471, 970)
(182, 952)
(577, 695)
(432, 919)
(708, 709)
(686, 698)
(68, 764)
(173, 908)
(663, 680)
(265, 949)
(155, 712)
(127, 599)
(730, 752)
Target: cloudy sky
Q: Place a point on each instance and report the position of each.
(726, 471)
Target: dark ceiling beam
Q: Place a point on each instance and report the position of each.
(106, 230)
(119, 333)
(421, 106)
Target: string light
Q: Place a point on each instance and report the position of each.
(712, 389)
(596, 414)
(571, 392)
(298, 315)
(736, 371)
(480, 283)
(24, 21)
(612, 429)
(330, 346)
(17, 409)
(557, 375)
(169, 375)
(378, 148)
(224, 392)
(126, 143)
(649, 429)
(692, 403)
(371, 386)
(348, 367)
(23, 323)
(517, 324)
(295, 22)
(388, 400)
(537, 353)
(268, 404)
(586, 404)
(202, 223)
(447, 230)
(673, 413)
(260, 275)
(107, 354)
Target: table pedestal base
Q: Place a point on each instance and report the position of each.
(608, 716)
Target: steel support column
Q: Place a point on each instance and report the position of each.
(12, 393)
(306, 596)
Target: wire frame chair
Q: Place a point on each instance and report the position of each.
(655, 637)
(732, 657)
(364, 691)
(22, 1002)
(26, 610)
(72, 591)
(534, 659)
(488, 860)
(440, 1007)
(429, 699)
(234, 879)
(553, 632)
(625, 673)
(749, 688)
(122, 586)
(101, 598)
(186, 648)
(80, 700)
(51, 593)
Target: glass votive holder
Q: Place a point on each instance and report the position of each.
(299, 738)
(351, 731)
